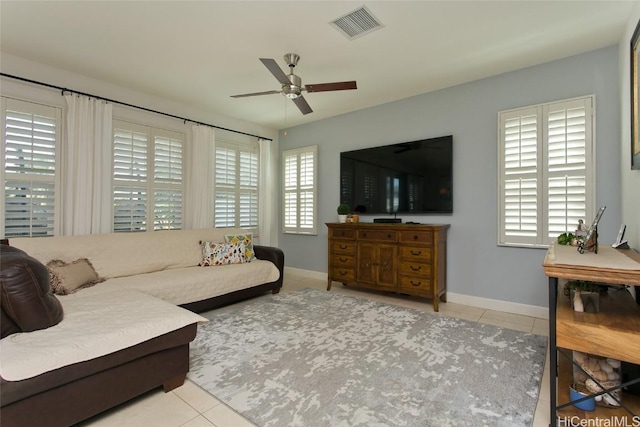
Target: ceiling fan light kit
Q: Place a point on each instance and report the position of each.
(292, 84)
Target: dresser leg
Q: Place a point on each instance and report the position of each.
(329, 284)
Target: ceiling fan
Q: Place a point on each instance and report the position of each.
(292, 85)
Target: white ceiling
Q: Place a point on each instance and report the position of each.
(202, 52)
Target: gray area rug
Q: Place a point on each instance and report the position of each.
(311, 358)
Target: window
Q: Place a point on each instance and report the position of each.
(236, 185)
(300, 177)
(29, 142)
(147, 172)
(546, 171)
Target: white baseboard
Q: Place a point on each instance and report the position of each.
(499, 305)
(480, 302)
(306, 273)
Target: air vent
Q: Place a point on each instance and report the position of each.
(357, 23)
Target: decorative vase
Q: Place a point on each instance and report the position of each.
(577, 301)
(342, 218)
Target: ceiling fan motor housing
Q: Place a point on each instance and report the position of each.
(292, 91)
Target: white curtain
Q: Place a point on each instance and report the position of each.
(86, 167)
(268, 193)
(199, 178)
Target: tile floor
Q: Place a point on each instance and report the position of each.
(190, 406)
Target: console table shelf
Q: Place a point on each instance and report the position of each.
(614, 332)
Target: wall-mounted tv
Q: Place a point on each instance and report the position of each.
(409, 177)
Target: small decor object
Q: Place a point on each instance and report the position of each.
(565, 238)
(590, 372)
(590, 241)
(584, 295)
(585, 405)
(343, 211)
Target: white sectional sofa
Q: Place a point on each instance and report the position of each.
(128, 333)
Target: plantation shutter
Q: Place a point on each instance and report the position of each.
(147, 175)
(167, 198)
(520, 197)
(31, 134)
(568, 124)
(236, 186)
(299, 175)
(225, 176)
(545, 161)
(248, 190)
(307, 187)
(130, 179)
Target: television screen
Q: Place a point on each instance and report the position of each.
(410, 177)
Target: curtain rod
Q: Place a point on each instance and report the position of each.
(64, 89)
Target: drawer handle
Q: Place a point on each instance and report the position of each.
(343, 259)
(343, 246)
(415, 237)
(416, 253)
(364, 234)
(414, 268)
(389, 236)
(342, 233)
(415, 283)
(343, 273)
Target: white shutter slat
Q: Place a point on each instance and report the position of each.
(167, 213)
(130, 209)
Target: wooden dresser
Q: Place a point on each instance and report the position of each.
(405, 258)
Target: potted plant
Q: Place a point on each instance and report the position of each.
(584, 295)
(343, 211)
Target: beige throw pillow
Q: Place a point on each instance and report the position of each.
(69, 277)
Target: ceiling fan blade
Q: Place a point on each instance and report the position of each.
(244, 95)
(302, 105)
(275, 70)
(324, 87)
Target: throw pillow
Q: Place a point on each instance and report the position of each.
(247, 239)
(222, 253)
(69, 277)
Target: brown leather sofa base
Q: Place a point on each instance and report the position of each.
(71, 394)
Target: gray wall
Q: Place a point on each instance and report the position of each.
(476, 265)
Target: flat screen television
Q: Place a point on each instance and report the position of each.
(410, 177)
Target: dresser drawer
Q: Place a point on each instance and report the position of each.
(379, 235)
(415, 268)
(425, 237)
(343, 274)
(339, 260)
(413, 284)
(343, 233)
(344, 247)
(416, 253)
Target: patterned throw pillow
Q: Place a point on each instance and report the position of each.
(244, 238)
(69, 277)
(222, 253)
